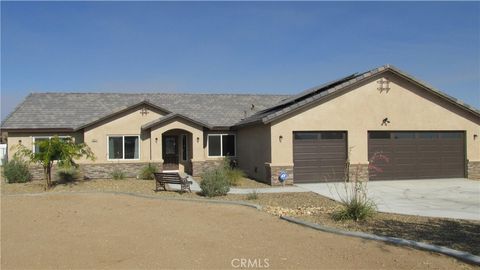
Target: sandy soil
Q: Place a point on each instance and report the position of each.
(102, 231)
(457, 234)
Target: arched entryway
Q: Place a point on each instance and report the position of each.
(176, 150)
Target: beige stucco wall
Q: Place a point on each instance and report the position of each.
(26, 139)
(253, 150)
(129, 123)
(126, 123)
(362, 109)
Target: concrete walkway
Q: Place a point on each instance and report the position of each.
(285, 189)
(450, 198)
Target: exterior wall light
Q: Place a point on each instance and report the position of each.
(198, 139)
(280, 138)
(156, 140)
(475, 136)
(385, 121)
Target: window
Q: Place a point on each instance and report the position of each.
(123, 147)
(452, 135)
(220, 145)
(379, 135)
(36, 140)
(332, 135)
(306, 135)
(228, 145)
(36, 147)
(184, 148)
(404, 135)
(428, 135)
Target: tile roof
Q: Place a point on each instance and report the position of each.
(76, 110)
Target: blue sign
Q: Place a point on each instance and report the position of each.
(282, 176)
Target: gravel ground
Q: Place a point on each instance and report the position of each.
(458, 234)
(106, 231)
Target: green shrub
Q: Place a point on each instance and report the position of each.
(234, 176)
(215, 183)
(147, 172)
(16, 171)
(67, 174)
(252, 195)
(355, 210)
(226, 164)
(118, 174)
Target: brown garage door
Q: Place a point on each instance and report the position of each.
(319, 156)
(417, 155)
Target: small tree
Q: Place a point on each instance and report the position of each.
(64, 151)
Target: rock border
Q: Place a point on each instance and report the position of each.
(461, 255)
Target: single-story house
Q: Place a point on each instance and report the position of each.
(309, 137)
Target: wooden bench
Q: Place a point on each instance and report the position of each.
(171, 178)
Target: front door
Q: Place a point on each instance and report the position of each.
(170, 153)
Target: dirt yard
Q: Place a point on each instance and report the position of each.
(462, 235)
(93, 231)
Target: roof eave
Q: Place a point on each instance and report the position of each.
(144, 102)
(33, 130)
(172, 116)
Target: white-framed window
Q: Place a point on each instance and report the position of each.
(121, 147)
(221, 145)
(184, 147)
(35, 139)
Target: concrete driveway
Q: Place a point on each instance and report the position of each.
(450, 198)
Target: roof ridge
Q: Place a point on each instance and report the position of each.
(159, 93)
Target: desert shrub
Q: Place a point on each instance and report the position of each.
(252, 195)
(355, 210)
(215, 183)
(234, 176)
(355, 203)
(16, 171)
(67, 174)
(353, 193)
(147, 172)
(118, 174)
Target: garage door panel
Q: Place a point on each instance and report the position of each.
(406, 149)
(319, 158)
(451, 161)
(307, 156)
(419, 155)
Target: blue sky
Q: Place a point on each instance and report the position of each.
(250, 47)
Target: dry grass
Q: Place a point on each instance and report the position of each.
(244, 182)
(458, 234)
